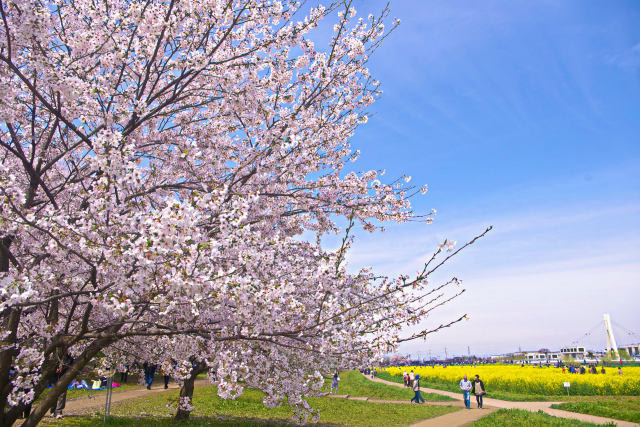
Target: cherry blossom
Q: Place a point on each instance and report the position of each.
(160, 162)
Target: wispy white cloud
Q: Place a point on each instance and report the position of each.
(627, 59)
(526, 278)
(402, 250)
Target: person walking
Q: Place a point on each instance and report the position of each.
(405, 379)
(334, 383)
(124, 375)
(61, 402)
(412, 377)
(478, 390)
(465, 386)
(149, 373)
(167, 368)
(416, 389)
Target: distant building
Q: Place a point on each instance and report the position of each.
(632, 349)
(577, 352)
(536, 356)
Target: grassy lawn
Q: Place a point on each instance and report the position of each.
(248, 410)
(511, 396)
(519, 417)
(80, 394)
(619, 408)
(354, 383)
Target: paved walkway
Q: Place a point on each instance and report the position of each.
(465, 417)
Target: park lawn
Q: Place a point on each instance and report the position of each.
(509, 395)
(522, 418)
(354, 383)
(248, 409)
(619, 408)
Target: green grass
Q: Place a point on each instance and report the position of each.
(522, 418)
(619, 408)
(80, 394)
(354, 383)
(508, 395)
(248, 410)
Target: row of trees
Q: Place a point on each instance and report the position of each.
(160, 161)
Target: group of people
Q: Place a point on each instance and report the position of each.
(150, 373)
(592, 369)
(476, 387)
(149, 370)
(413, 381)
(371, 372)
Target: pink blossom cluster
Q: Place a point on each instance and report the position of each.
(160, 161)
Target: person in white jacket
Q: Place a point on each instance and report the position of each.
(465, 386)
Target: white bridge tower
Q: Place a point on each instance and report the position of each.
(611, 340)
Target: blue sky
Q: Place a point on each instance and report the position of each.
(524, 116)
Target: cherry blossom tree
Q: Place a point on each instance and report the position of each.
(343, 321)
(160, 161)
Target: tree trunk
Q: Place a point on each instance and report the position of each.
(61, 385)
(187, 390)
(10, 320)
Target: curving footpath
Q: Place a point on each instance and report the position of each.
(465, 417)
(458, 418)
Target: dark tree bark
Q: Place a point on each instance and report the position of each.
(10, 319)
(61, 385)
(187, 389)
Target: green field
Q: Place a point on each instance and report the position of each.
(354, 383)
(522, 418)
(248, 409)
(619, 408)
(79, 394)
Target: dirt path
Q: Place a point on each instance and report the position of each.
(86, 404)
(458, 418)
(465, 417)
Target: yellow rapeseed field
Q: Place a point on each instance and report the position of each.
(533, 380)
